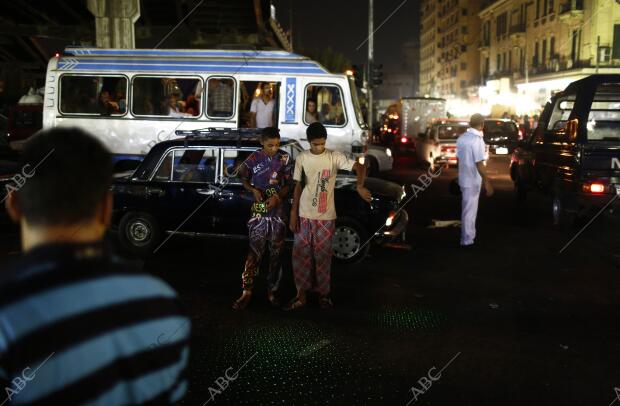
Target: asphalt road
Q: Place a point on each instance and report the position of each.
(510, 322)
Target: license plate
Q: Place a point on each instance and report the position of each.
(501, 151)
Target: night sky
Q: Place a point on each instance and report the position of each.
(343, 25)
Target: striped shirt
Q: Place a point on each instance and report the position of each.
(78, 328)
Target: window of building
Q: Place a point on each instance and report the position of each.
(93, 95)
(545, 7)
(552, 48)
(463, 84)
(616, 44)
(463, 66)
(499, 62)
(464, 12)
(166, 96)
(574, 53)
(501, 25)
(537, 9)
(220, 97)
(463, 48)
(329, 108)
(464, 29)
(551, 7)
(543, 54)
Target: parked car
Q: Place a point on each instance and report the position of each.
(574, 153)
(186, 186)
(438, 144)
(502, 135)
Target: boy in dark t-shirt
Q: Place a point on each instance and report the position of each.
(267, 174)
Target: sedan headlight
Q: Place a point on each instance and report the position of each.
(390, 219)
(388, 152)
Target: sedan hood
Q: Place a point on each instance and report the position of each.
(378, 187)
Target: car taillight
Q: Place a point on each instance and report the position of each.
(520, 133)
(445, 148)
(404, 140)
(389, 130)
(594, 188)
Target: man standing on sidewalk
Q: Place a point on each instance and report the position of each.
(470, 150)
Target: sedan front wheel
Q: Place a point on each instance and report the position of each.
(350, 243)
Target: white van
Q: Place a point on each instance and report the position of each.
(132, 99)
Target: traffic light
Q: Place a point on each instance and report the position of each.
(376, 74)
(358, 75)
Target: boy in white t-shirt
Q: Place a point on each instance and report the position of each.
(313, 214)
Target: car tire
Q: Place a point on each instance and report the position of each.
(350, 244)
(373, 167)
(562, 218)
(520, 191)
(139, 233)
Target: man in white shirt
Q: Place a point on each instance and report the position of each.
(470, 151)
(261, 110)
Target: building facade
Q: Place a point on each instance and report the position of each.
(530, 49)
(449, 59)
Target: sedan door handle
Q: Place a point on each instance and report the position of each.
(206, 192)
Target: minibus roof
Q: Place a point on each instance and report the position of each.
(188, 60)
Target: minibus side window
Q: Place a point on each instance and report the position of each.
(220, 98)
(324, 103)
(258, 104)
(166, 96)
(93, 95)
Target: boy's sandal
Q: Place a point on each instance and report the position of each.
(325, 303)
(273, 300)
(295, 304)
(241, 303)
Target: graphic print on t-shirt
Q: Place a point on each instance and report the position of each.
(320, 193)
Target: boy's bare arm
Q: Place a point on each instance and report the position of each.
(296, 197)
(360, 171)
(245, 180)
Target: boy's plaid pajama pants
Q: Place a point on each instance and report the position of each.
(312, 251)
(261, 230)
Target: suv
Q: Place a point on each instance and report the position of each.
(574, 153)
(187, 186)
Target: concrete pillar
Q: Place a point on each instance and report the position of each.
(114, 22)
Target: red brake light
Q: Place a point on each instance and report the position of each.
(597, 188)
(404, 140)
(594, 188)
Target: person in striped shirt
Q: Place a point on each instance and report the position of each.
(76, 325)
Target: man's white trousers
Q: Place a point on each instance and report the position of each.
(469, 210)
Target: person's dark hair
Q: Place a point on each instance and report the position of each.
(269, 133)
(310, 100)
(315, 131)
(476, 120)
(71, 174)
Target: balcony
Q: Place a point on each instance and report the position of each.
(571, 12)
(517, 30)
(484, 44)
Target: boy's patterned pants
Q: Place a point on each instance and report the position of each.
(312, 255)
(261, 230)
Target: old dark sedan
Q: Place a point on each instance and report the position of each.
(187, 186)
